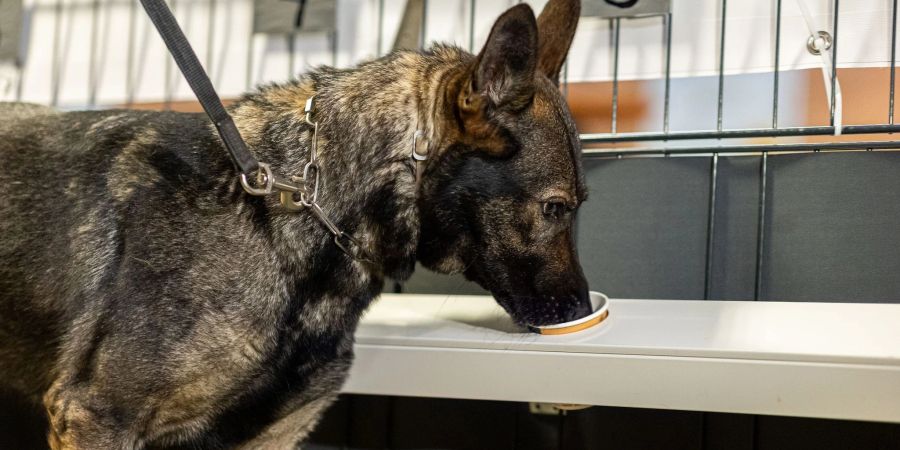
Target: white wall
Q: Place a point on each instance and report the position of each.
(59, 36)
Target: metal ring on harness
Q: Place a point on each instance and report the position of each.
(314, 196)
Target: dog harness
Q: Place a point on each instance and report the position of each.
(257, 178)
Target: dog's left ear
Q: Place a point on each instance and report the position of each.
(556, 29)
(503, 76)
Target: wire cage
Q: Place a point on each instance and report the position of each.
(111, 61)
(732, 141)
(831, 40)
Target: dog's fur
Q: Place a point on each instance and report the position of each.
(149, 302)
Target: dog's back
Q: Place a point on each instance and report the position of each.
(67, 181)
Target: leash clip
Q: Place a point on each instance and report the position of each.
(268, 181)
(307, 187)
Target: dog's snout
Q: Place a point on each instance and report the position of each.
(582, 306)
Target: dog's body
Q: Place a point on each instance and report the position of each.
(149, 302)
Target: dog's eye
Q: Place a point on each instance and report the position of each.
(555, 208)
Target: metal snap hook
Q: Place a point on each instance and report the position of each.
(268, 181)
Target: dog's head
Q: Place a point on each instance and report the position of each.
(499, 196)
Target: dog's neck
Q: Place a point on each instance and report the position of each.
(367, 117)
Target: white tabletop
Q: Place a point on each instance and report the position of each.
(822, 332)
(835, 360)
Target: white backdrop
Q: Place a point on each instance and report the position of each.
(59, 35)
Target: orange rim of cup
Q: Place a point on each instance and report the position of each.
(573, 328)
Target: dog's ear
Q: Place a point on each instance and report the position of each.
(503, 75)
(556, 28)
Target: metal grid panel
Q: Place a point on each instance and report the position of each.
(720, 132)
(63, 9)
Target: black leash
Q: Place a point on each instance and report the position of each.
(200, 83)
(306, 187)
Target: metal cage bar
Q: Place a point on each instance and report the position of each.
(291, 40)
(893, 61)
(423, 32)
(776, 71)
(721, 69)
(56, 70)
(129, 56)
(667, 19)
(615, 93)
(761, 225)
(92, 50)
(602, 138)
(711, 226)
(210, 34)
(742, 149)
(471, 26)
(379, 44)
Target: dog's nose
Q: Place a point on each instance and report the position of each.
(582, 306)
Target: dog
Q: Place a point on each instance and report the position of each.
(147, 301)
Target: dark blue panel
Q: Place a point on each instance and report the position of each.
(735, 231)
(833, 228)
(642, 232)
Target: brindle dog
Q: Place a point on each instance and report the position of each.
(149, 302)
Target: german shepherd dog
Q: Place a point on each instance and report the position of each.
(147, 301)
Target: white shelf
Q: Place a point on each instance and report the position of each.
(828, 360)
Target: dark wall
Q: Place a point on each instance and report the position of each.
(830, 231)
(23, 424)
(402, 423)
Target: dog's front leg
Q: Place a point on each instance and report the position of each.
(80, 411)
(81, 419)
(289, 431)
